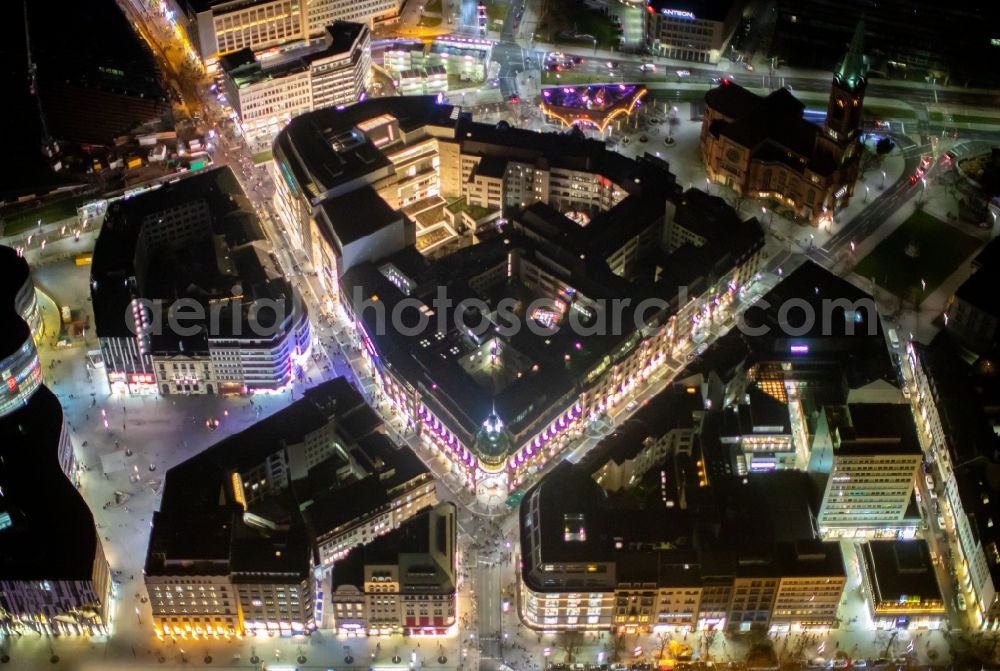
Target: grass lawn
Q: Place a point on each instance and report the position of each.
(964, 118)
(430, 21)
(15, 222)
(578, 22)
(262, 157)
(941, 248)
(675, 95)
(570, 77)
(888, 112)
(433, 7)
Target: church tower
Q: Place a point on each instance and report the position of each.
(843, 114)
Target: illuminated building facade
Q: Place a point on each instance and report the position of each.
(250, 327)
(16, 276)
(690, 31)
(266, 94)
(873, 456)
(951, 403)
(402, 582)
(219, 27)
(20, 368)
(900, 585)
(763, 147)
(583, 225)
(697, 561)
(249, 532)
(56, 580)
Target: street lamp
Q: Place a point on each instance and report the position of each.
(883, 179)
(866, 193)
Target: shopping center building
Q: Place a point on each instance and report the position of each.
(54, 578)
(250, 534)
(265, 94)
(188, 296)
(581, 230)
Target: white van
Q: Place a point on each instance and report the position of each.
(648, 67)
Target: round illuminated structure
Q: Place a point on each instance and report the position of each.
(493, 448)
(20, 369)
(596, 105)
(15, 276)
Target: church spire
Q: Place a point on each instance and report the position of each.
(853, 70)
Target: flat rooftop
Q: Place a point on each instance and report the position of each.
(901, 572)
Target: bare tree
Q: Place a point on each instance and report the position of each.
(664, 640)
(569, 642)
(707, 641)
(615, 646)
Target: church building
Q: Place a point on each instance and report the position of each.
(763, 146)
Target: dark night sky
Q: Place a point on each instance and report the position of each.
(23, 163)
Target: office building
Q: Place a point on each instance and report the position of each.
(20, 367)
(900, 585)
(585, 226)
(759, 428)
(763, 147)
(17, 277)
(248, 531)
(690, 31)
(54, 578)
(402, 582)
(872, 454)
(670, 551)
(219, 27)
(954, 406)
(195, 245)
(266, 94)
(94, 79)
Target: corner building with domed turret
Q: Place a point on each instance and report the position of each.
(509, 289)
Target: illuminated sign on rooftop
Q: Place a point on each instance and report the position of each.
(679, 14)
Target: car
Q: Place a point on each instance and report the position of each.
(515, 99)
(577, 60)
(929, 481)
(859, 663)
(612, 65)
(749, 67)
(914, 179)
(961, 602)
(942, 523)
(647, 67)
(925, 160)
(632, 405)
(683, 73)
